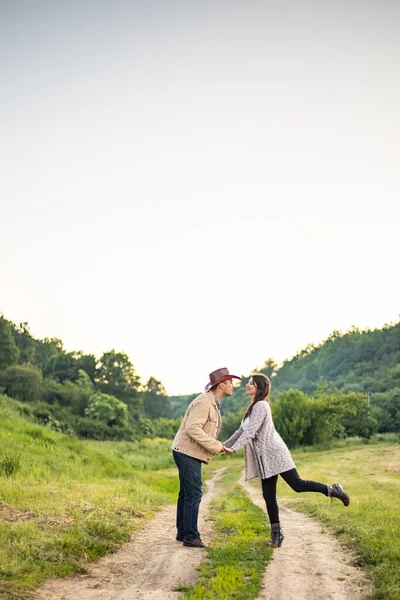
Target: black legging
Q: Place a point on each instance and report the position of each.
(297, 484)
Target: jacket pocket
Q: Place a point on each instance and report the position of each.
(262, 468)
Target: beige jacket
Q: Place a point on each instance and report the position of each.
(199, 429)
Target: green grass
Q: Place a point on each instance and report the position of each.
(370, 526)
(64, 501)
(238, 554)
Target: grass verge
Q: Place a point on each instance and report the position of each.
(65, 502)
(370, 526)
(236, 558)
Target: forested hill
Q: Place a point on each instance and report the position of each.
(356, 361)
(95, 397)
(356, 364)
(347, 385)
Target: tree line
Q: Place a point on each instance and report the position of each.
(101, 398)
(347, 385)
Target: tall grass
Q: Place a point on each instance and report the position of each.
(65, 501)
(370, 526)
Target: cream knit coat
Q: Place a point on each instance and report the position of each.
(266, 454)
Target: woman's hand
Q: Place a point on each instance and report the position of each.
(225, 451)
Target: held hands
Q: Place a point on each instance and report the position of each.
(225, 451)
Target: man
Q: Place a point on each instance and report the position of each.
(195, 443)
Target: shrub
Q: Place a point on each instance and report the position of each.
(108, 409)
(73, 396)
(23, 382)
(165, 428)
(98, 430)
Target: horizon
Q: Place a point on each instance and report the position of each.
(315, 344)
(199, 184)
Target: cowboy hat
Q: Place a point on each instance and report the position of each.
(217, 376)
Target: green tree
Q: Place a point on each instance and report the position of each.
(325, 419)
(230, 423)
(25, 343)
(165, 428)
(357, 419)
(73, 396)
(22, 382)
(117, 377)
(291, 416)
(108, 409)
(156, 403)
(45, 352)
(8, 348)
(179, 404)
(62, 366)
(269, 368)
(385, 408)
(84, 382)
(87, 363)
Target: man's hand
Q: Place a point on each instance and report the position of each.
(225, 451)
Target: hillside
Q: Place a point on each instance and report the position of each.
(365, 363)
(357, 361)
(92, 397)
(347, 385)
(65, 501)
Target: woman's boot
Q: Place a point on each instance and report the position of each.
(276, 536)
(336, 491)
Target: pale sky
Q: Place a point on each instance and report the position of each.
(200, 183)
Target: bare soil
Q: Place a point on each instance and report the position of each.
(310, 564)
(150, 567)
(9, 513)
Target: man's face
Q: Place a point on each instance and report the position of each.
(228, 387)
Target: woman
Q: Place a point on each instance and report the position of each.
(267, 456)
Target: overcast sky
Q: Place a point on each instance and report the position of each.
(200, 183)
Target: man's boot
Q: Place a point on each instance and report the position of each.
(197, 543)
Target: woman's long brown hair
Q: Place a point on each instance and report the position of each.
(263, 386)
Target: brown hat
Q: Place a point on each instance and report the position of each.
(218, 376)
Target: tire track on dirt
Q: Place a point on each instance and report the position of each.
(309, 564)
(149, 567)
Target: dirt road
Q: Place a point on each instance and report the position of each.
(150, 567)
(310, 564)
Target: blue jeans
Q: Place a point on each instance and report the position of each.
(190, 493)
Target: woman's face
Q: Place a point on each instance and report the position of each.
(251, 388)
